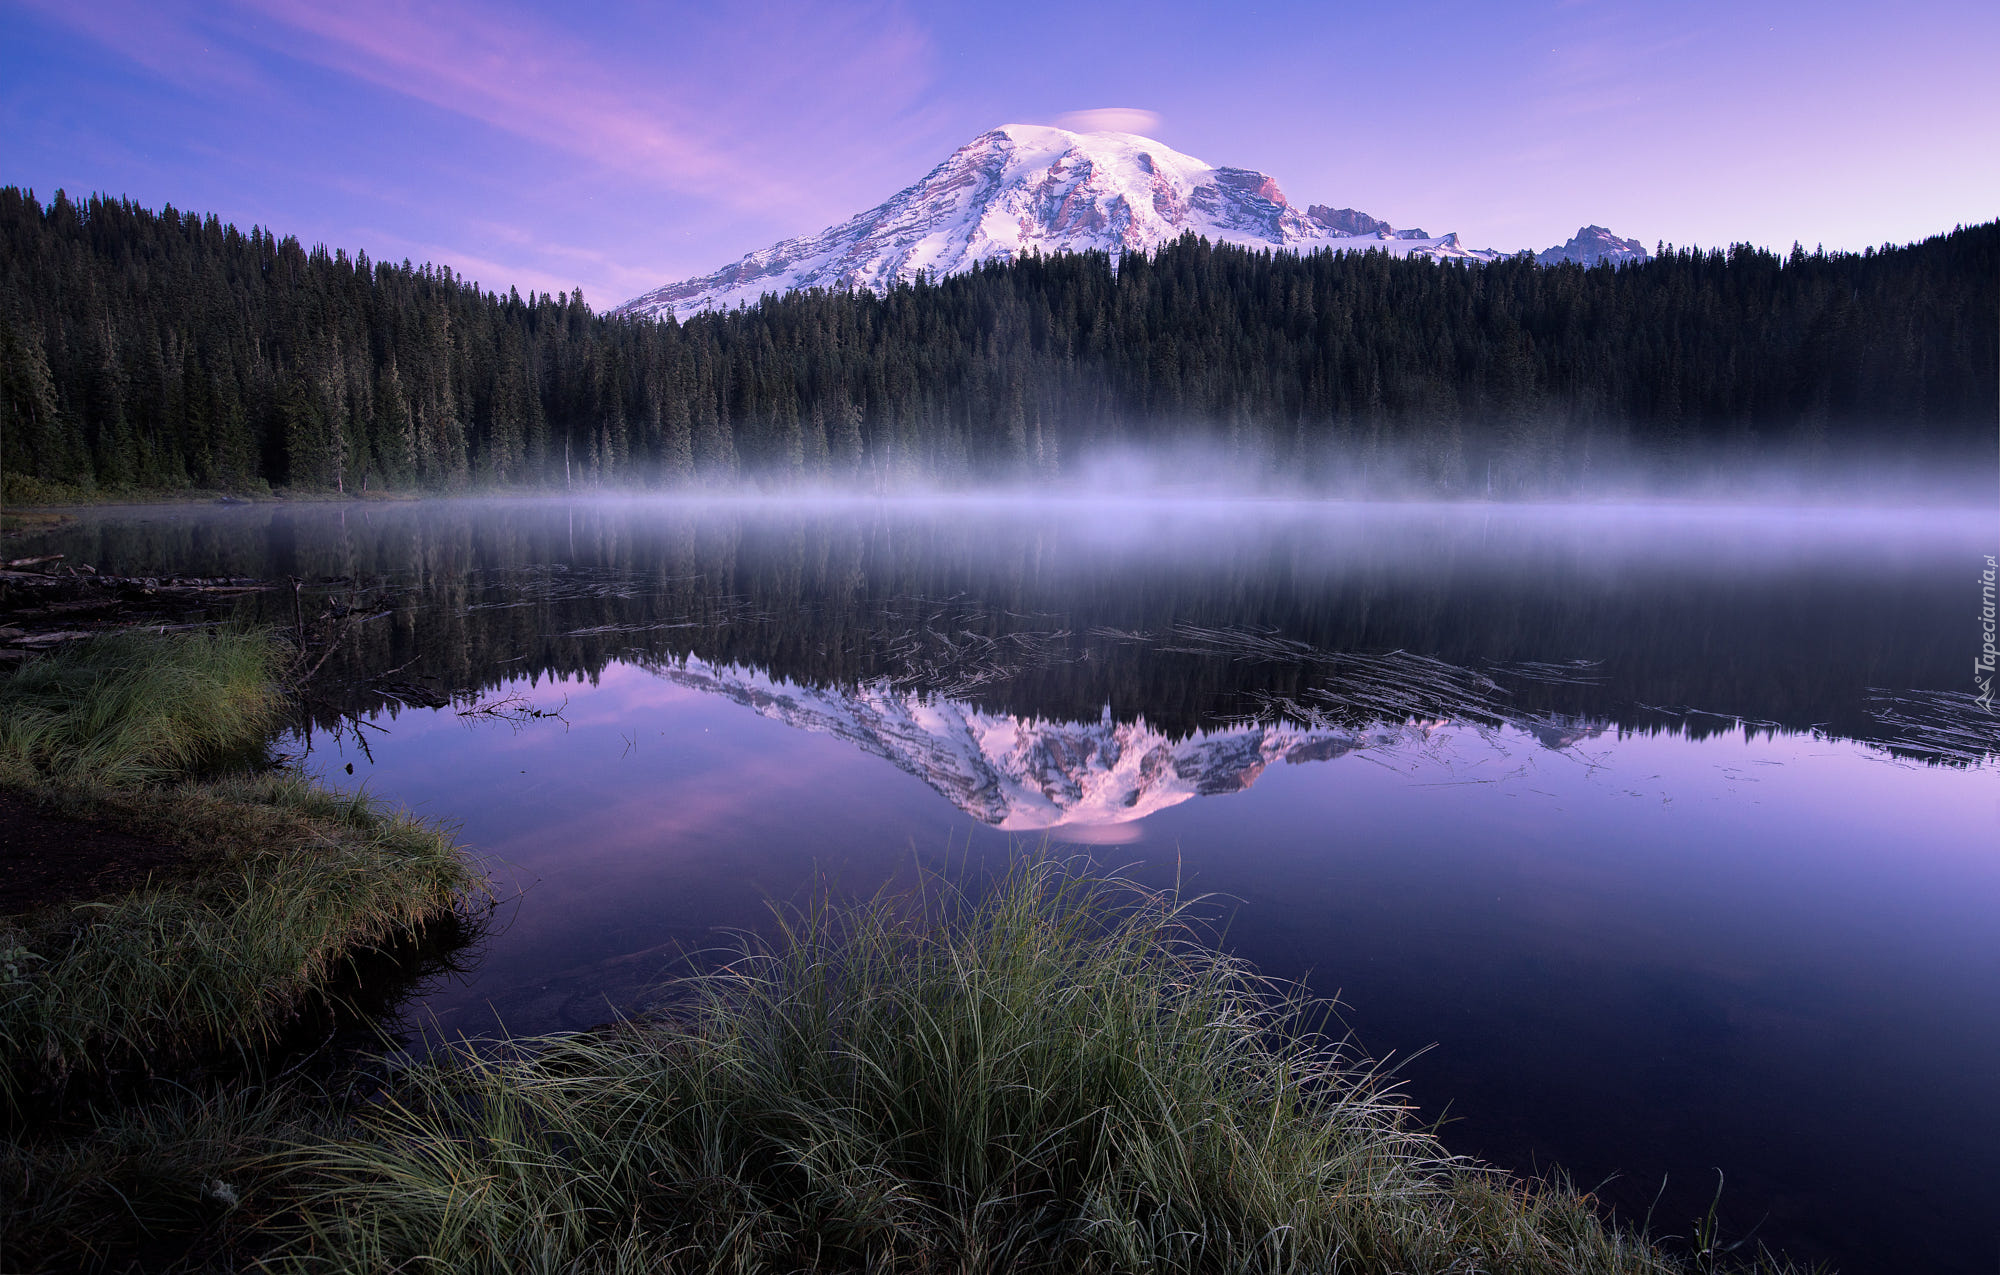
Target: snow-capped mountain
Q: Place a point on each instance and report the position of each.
(1027, 188)
(1023, 775)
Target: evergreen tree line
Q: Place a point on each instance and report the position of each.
(163, 350)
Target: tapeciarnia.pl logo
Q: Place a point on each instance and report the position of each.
(1982, 668)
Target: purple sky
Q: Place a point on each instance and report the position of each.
(616, 147)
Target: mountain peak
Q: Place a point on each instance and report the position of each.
(1028, 188)
(1594, 245)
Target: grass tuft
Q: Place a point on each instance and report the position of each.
(132, 708)
(298, 878)
(1057, 1076)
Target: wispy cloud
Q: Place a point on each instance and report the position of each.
(522, 78)
(177, 45)
(714, 111)
(1111, 119)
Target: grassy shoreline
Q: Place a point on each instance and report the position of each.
(162, 737)
(135, 1026)
(1055, 1073)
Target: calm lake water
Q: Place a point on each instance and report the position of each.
(1654, 844)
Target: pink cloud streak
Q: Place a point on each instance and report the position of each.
(516, 73)
(521, 79)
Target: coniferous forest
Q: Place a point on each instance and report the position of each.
(144, 350)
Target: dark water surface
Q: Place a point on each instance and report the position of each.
(1673, 834)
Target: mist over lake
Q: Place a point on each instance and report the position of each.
(1644, 841)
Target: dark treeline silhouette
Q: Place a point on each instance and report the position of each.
(143, 349)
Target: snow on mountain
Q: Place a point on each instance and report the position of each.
(1021, 775)
(1028, 188)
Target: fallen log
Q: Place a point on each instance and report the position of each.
(52, 638)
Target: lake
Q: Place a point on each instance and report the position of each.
(1658, 844)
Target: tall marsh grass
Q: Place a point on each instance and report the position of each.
(1056, 1076)
(284, 879)
(299, 878)
(129, 707)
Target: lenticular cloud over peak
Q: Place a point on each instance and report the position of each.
(1111, 119)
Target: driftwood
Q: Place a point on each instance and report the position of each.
(44, 603)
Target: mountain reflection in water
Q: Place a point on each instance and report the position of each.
(1020, 775)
